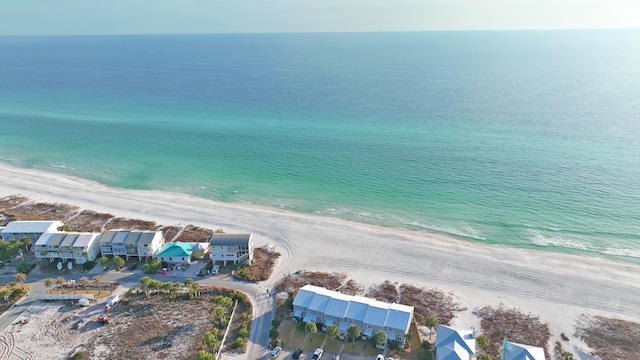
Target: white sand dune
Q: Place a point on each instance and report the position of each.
(558, 288)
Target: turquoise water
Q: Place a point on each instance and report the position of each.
(526, 139)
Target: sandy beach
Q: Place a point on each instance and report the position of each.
(558, 288)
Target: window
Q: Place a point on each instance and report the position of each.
(339, 319)
(369, 326)
(350, 320)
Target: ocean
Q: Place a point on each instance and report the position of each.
(527, 139)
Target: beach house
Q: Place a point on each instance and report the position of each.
(142, 244)
(515, 351)
(454, 344)
(328, 307)
(176, 253)
(76, 246)
(234, 248)
(29, 229)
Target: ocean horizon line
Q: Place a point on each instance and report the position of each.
(559, 29)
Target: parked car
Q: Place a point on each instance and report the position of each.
(297, 354)
(317, 354)
(380, 357)
(275, 352)
(337, 356)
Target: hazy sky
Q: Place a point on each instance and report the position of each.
(77, 17)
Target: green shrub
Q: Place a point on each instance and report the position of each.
(25, 267)
(244, 332)
(88, 266)
(273, 333)
(275, 323)
(17, 294)
(240, 342)
(288, 304)
(301, 325)
(152, 266)
(80, 355)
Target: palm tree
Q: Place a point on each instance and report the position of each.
(566, 355)
(25, 241)
(483, 341)
(97, 279)
(5, 294)
(333, 331)
(60, 281)
(380, 337)
(48, 283)
(21, 277)
(195, 287)
(353, 332)
(104, 261)
(430, 322)
(210, 341)
(484, 357)
(145, 281)
(311, 327)
(84, 281)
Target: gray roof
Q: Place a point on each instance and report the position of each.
(31, 226)
(56, 240)
(69, 239)
(121, 237)
(133, 237)
(147, 237)
(230, 239)
(107, 236)
(85, 238)
(44, 239)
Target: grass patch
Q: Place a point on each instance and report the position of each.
(96, 293)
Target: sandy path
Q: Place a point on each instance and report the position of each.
(557, 287)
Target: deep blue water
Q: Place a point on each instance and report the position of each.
(521, 138)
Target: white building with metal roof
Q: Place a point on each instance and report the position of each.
(79, 247)
(236, 248)
(29, 229)
(131, 243)
(327, 307)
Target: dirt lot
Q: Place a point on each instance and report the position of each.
(139, 328)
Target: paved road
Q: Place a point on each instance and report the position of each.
(262, 304)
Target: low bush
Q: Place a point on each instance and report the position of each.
(88, 266)
(25, 267)
(240, 342)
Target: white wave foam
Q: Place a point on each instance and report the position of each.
(634, 253)
(541, 240)
(469, 233)
(62, 167)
